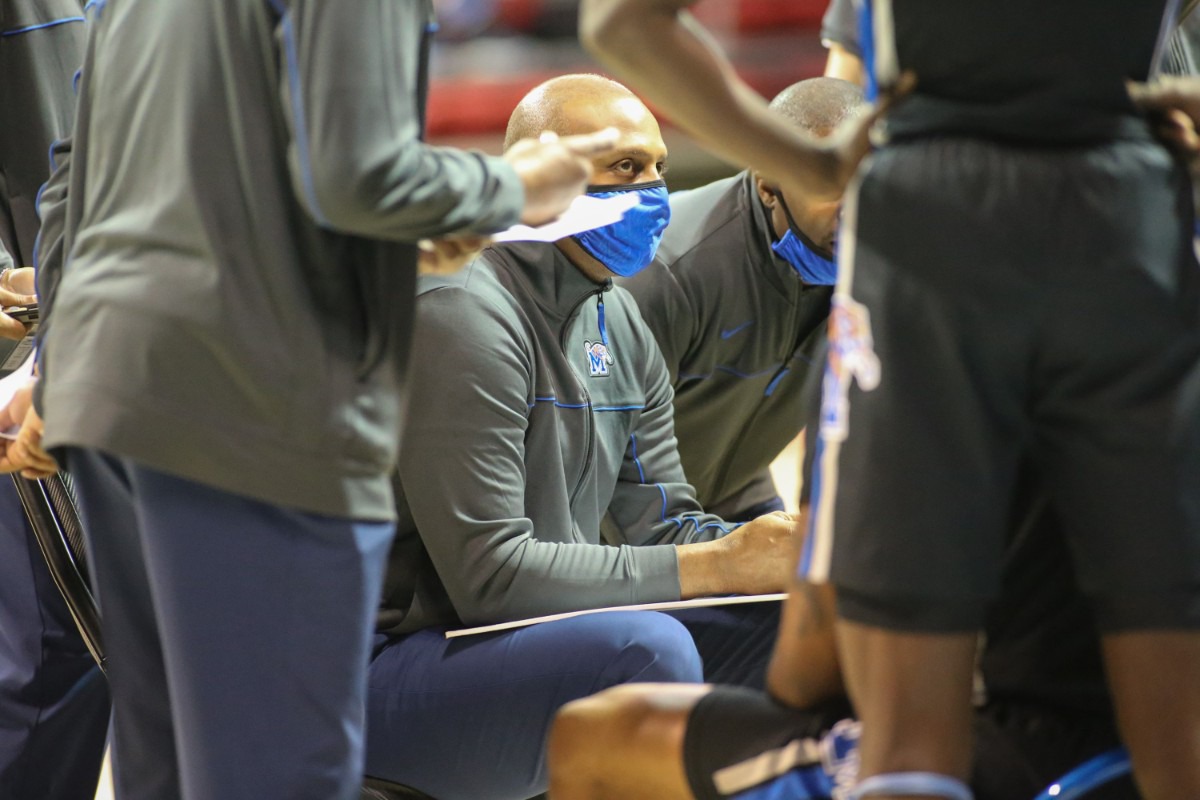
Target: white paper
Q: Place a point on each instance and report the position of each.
(584, 214)
(700, 602)
(9, 386)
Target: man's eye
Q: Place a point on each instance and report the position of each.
(625, 166)
(662, 168)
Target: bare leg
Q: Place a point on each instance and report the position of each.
(912, 693)
(1155, 682)
(624, 743)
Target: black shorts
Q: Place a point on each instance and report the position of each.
(1007, 303)
(740, 743)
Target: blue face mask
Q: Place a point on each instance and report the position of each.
(817, 266)
(627, 247)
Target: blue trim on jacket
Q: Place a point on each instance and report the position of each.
(41, 26)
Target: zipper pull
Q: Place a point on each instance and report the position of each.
(600, 316)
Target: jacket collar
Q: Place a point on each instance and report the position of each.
(548, 276)
(759, 238)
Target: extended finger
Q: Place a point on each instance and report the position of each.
(22, 281)
(10, 298)
(38, 475)
(1160, 94)
(26, 456)
(6, 463)
(591, 144)
(1166, 92)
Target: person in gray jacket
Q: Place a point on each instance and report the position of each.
(541, 406)
(224, 368)
(738, 298)
(54, 706)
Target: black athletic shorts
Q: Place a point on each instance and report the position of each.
(998, 303)
(741, 744)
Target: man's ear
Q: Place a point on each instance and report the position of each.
(765, 193)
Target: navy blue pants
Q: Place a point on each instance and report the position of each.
(53, 698)
(467, 718)
(237, 634)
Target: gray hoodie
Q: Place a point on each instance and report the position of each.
(245, 187)
(530, 420)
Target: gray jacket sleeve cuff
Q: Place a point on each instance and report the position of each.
(656, 573)
(509, 199)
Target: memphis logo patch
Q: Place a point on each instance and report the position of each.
(851, 357)
(599, 359)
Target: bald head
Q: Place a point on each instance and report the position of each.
(818, 105)
(567, 105)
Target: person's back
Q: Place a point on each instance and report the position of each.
(223, 364)
(1022, 286)
(207, 206)
(1023, 70)
(995, 302)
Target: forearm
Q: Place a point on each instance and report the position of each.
(351, 93)
(51, 242)
(845, 65)
(527, 577)
(673, 63)
(701, 570)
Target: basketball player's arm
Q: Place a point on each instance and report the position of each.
(839, 33)
(661, 51)
(841, 63)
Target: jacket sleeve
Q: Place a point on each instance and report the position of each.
(463, 472)
(50, 250)
(350, 78)
(665, 308)
(6, 261)
(653, 503)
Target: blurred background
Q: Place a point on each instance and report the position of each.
(489, 53)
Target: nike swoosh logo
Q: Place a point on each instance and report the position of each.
(735, 331)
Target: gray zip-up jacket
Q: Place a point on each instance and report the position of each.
(41, 47)
(246, 182)
(738, 330)
(533, 415)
